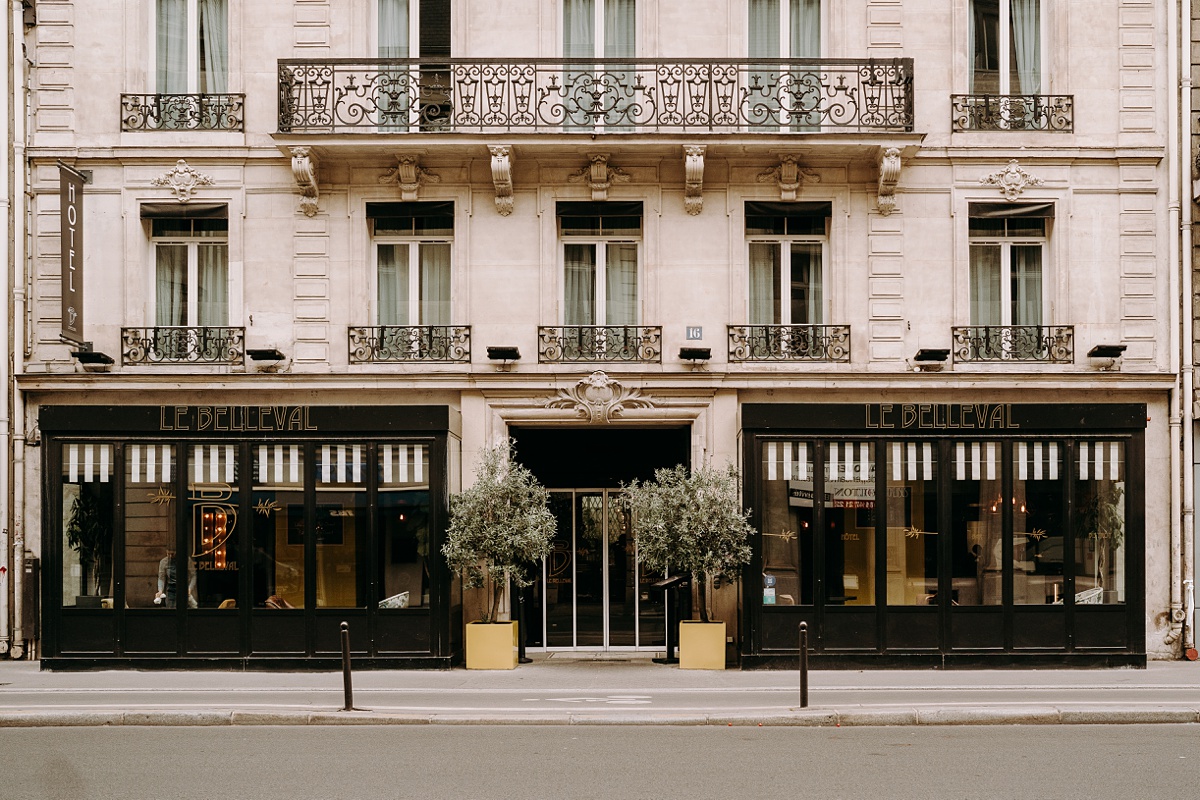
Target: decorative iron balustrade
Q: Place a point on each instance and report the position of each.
(1054, 344)
(644, 95)
(183, 345)
(789, 343)
(1012, 112)
(183, 112)
(562, 343)
(399, 343)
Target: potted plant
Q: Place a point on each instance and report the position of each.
(89, 532)
(1104, 520)
(693, 523)
(499, 528)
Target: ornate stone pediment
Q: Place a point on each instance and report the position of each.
(599, 398)
(1012, 180)
(183, 180)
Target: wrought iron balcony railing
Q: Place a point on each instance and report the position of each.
(789, 343)
(562, 343)
(183, 345)
(400, 343)
(183, 112)
(1012, 112)
(642, 95)
(1054, 344)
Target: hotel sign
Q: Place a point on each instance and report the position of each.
(70, 191)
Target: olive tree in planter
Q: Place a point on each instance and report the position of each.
(693, 523)
(500, 528)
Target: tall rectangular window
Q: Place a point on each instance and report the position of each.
(88, 505)
(191, 268)
(1005, 43)
(601, 243)
(784, 29)
(786, 245)
(413, 243)
(1099, 524)
(191, 46)
(600, 29)
(1007, 245)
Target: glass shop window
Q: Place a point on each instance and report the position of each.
(212, 518)
(87, 525)
(1100, 519)
(1039, 524)
(976, 532)
(151, 563)
(339, 525)
(788, 523)
(850, 523)
(402, 522)
(912, 523)
(277, 514)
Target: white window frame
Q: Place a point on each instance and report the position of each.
(193, 275)
(601, 286)
(1006, 244)
(1004, 45)
(785, 242)
(413, 244)
(193, 46)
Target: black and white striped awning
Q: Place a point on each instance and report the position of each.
(912, 461)
(279, 465)
(1100, 461)
(849, 461)
(150, 463)
(403, 464)
(788, 461)
(89, 463)
(214, 463)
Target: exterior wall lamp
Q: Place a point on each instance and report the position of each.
(92, 360)
(930, 359)
(1110, 351)
(696, 355)
(505, 355)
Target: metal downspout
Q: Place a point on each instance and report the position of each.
(20, 171)
(1177, 316)
(11, 230)
(1187, 552)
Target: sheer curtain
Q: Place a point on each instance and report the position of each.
(170, 290)
(171, 47)
(579, 29)
(806, 28)
(806, 284)
(579, 284)
(764, 284)
(435, 284)
(1026, 27)
(392, 269)
(214, 46)
(764, 29)
(1026, 285)
(212, 278)
(393, 28)
(985, 284)
(620, 29)
(620, 284)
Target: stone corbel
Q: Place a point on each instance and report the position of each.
(409, 176)
(1012, 180)
(305, 172)
(599, 176)
(889, 176)
(502, 178)
(183, 180)
(693, 178)
(790, 175)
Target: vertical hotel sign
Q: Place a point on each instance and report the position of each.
(70, 188)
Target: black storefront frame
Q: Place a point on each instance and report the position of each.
(99, 638)
(1101, 635)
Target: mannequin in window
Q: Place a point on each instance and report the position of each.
(167, 591)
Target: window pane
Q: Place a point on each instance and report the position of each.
(579, 284)
(620, 284)
(402, 520)
(150, 560)
(212, 274)
(764, 284)
(975, 533)
(1099, 524)
(806, 28)
(171, 289)
(985, 285)
(1026, 287)
(850, 523)
(787, 523)
(806, 284)
(764, 29)
(393, 28)
(435, 284)
(560, 574)
(1025, 57)
(619, 29)
(1039, 497)
(912, 524)
(87, 525)
(171, 47)
(213, 47)
(985, 46)
(340, 526)
(278, 526)
(393, 284)
(579, 29)
(212, 513)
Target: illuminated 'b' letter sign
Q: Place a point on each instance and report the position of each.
(70, 187)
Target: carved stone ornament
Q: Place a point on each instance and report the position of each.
(409, 176)
(693, 178)
(789, 175)
(183, 180)
(305, 172)
(889, 176)
(502, 178)
(1012, 180)
(599, 398)
(599, 176)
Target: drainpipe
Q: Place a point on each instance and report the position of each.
(1178, 433)
(20, 99)
(1187, 550)
(11, 230)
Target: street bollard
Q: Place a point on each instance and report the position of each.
(804, 665)
(346, 667)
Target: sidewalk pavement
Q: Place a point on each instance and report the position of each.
(601, 689)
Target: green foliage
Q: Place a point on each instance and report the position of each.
(1104, 515)
(500, 526)
(691, 523)
(90, 534)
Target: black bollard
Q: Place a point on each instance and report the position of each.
(804, 665)
(521, 657)
(346, 667)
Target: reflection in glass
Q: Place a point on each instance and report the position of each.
(787, 526)
(850, 524)
(1038, 500)
(590, 552)
(912, 524)
(278, 501)
(1100, 523)
(87, 525)
(212, 512)
(622, 576)
(976, 525)
(150, 504)
(560, 575)
(402, 521)
(339, 525)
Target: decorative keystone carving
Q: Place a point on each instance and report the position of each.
(598, 398)
(305, 172)
(599, 176)
(1012, 180)
(789, 175)
(409, 176)
(502, 178)
(183, 180)
(693, 178)
(889, 176)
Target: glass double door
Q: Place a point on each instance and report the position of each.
(592, 594)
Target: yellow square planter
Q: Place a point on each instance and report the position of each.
(491, 645)
(701, 645)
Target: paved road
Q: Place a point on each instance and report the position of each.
(429, 762)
